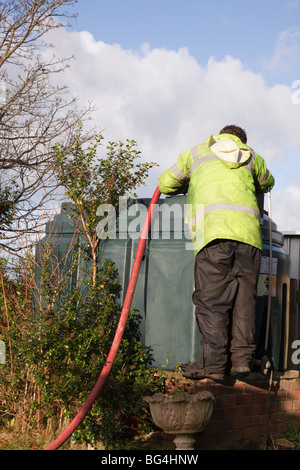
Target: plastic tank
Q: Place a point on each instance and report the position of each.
(163, 295)
(165, 283)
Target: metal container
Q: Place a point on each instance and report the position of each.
(276, 345)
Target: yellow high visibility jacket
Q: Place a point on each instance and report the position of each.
(222, 177)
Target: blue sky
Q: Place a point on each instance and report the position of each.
(169, 73)
(249, 31)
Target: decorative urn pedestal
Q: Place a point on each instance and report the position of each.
(181, 414)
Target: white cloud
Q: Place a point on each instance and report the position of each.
(167, 102)
(287, 51)
(290, 4)
(286, 208)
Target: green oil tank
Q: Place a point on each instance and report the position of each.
(163, 294)
(165, 283)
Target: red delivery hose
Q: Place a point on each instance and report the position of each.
(118, 335)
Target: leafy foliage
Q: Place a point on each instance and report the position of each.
(58, 344)
(69, 347)
(91, 181)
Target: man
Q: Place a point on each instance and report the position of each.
(222, 177)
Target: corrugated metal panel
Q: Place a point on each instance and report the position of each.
(292, 248)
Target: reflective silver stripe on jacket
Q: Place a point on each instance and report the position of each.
(198, 161)
(250, 164)
(263, 178)
(223, 206)
(250, 167)
(179, 174)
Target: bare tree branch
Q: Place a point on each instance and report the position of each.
(35, 113)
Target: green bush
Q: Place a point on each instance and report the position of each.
(58, 346)
(68, 347)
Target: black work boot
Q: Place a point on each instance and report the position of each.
(191, 370)
(240, 373)
(194, 371)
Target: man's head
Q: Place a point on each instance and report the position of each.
(235, 130)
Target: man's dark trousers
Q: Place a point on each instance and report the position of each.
(226, 275)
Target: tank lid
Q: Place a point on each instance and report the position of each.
(277, 237)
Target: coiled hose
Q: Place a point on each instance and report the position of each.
(118, 335)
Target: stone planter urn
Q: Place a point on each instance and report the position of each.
(181, 414)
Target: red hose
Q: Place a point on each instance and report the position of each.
(118, 335)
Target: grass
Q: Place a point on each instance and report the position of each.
(10, 440)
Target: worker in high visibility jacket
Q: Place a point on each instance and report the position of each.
(222, 177)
